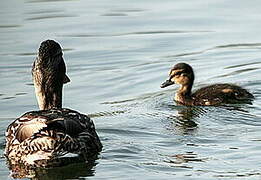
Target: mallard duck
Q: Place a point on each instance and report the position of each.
(39, 138)
(215, 94)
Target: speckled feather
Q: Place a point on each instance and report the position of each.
(56, 132)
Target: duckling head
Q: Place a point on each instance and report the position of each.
(182, 74)
(48, 73)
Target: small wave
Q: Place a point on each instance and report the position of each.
(102, 114)
(20, 94)
(129, 10)
(51, 16)
(140, 132)
(240, 45)
(133, 33)
(41, 1)
(114, 14)
(237, 72)
(228, 46)
(10, 26)
(184, 158)
(139, 98)
(237, 175)
(9, 97)
(242, 65)
(29, 53)
(45, 11)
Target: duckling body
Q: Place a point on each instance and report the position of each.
(220, 93)
(215, 94)
(39, 138)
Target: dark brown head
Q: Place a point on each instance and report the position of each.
(182, 74)
(49, 75)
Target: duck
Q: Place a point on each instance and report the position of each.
(39, 138)
(215, 94)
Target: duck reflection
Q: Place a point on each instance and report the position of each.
(184, 121)
(72, 169)
(184, 158)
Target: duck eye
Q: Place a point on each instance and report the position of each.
(178, 73)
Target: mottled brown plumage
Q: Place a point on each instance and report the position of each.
(47, 134)
(215, 94)
(40, 138)
(49, 75)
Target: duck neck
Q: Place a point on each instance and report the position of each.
(48, 97)
(184, 93)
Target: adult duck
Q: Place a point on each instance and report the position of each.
(39, 138)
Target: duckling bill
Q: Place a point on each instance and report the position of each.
(215, 94)
(167, 83)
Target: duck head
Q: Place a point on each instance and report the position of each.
(48, 73)
(182, 74)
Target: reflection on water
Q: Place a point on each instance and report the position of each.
(117, 55)
(184, 158)
(74, 170)
(184, 119)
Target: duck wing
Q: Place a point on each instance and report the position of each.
(219, 93)
(48, 134)
(79, 127)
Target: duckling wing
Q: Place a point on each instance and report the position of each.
(221, 93)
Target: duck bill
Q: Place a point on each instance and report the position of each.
(66, 79)
(166, 83)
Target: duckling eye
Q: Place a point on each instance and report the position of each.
(178, 73)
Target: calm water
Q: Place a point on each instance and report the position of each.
(117, 55)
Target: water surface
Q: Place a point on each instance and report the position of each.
(117, 55)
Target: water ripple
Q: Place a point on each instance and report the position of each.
(184, 158)
(129, 10)
(238, 72)
(132, 33)
(104, 114)
(228, 46)
(50, 1)
(53, 16)
(114, 14)
(46, 11)
(30, 53)
(242, 65)
(9, 26)
(240, 45)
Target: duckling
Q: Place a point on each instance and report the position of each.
(215, 94)
(39, 138)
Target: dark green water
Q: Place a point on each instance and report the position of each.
(117, 55)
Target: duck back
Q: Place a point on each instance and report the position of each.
(220, 93)
(39, 137)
